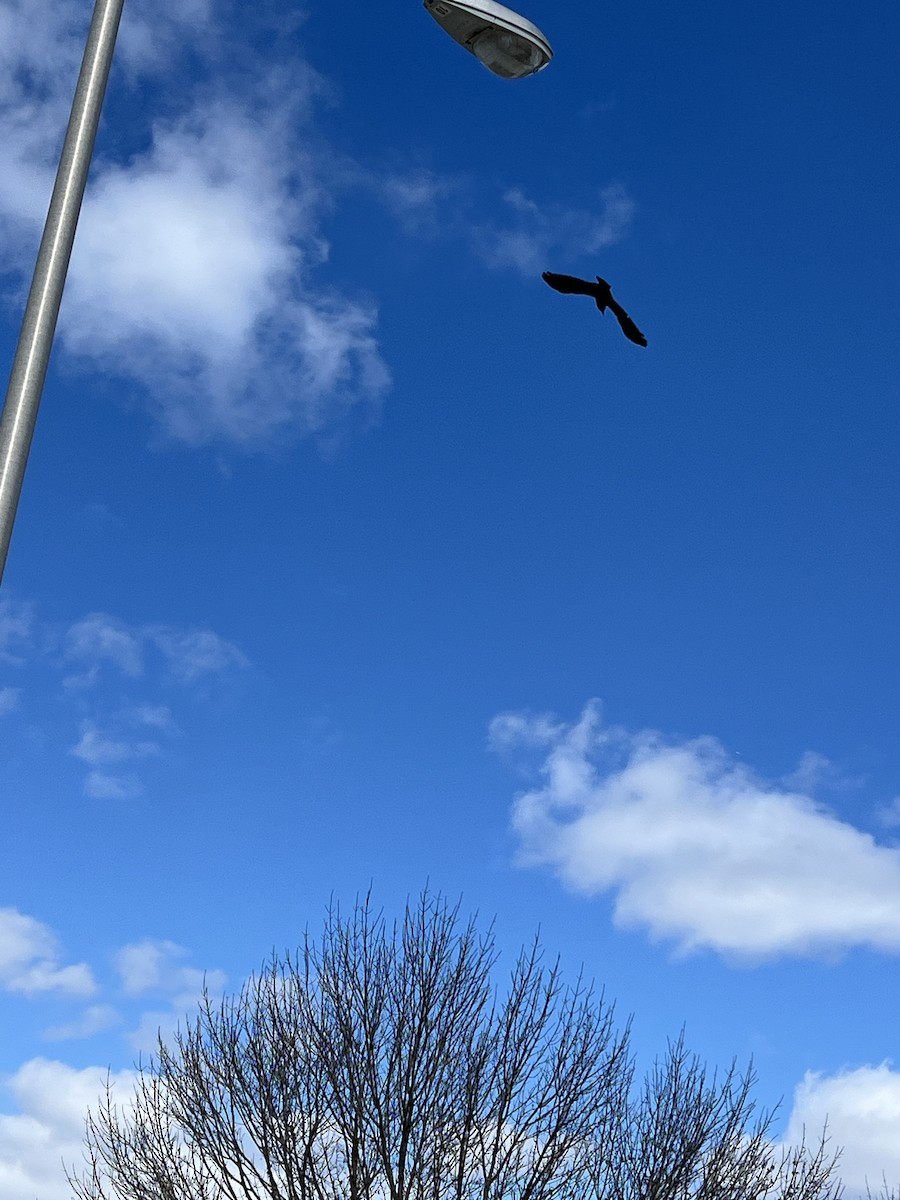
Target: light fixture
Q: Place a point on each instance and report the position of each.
(506, 43)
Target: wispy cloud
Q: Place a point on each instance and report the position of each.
(424, 202)
(862, 1108)
(182, 656)
(198, 267)
(103, 785)
(152, 716)
(98, 640)
(96, 749)
(29, 959)
(16, 629)
(101, 751)
(191, 654)
(532, 234)
(524, 236)
(119, 682)
(696, 849)
(101, 641)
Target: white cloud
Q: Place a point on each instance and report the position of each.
(809, 773)
(9, 700)
(95, 1019)
(95, 748)
(102, 785)
(99, 639)
(184, 244)
(423, 202)
(511, 730)
(190, 654)
(29, 959)
(158, 1023)
(192, 271)
(16, 628)
(102, 751)
(154, 716)
(889, 814)
(862, 1108)
(148, 965)
(39, 60)
(195, 269)
(49, 1128)
(534, 233)
(148, 37)
(414, 192)
(524, 237)
(696, 849)
(158, 966)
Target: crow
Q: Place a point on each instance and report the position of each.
(602, 294)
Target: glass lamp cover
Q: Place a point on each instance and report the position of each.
(507, 54)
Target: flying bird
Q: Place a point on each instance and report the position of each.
(603, 296)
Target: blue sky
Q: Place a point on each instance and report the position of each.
(350, 553)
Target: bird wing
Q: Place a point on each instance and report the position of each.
(631, 330)
(570, 284)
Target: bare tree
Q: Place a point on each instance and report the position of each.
(381, 1064)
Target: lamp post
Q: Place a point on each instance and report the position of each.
(29, 367)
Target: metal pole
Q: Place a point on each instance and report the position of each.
(29, 367)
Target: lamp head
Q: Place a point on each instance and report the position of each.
(499, 38)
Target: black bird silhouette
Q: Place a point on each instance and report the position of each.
(602, 293)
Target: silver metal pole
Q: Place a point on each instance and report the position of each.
(29, 367)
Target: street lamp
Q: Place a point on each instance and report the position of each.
(26, 381)
(506, 43)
